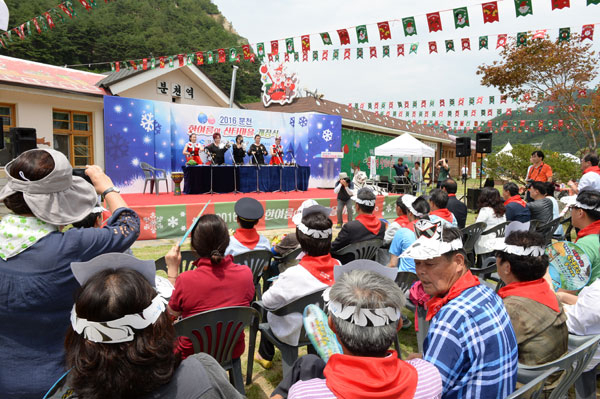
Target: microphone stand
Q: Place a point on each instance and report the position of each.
(257, 169)
(295, 172)
(280, 171)
(212, 161)
(235, 190)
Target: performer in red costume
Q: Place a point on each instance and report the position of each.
(192, 150)
(276, 152)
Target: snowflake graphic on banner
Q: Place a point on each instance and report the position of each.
(157, 127)
(116, 147)
(292, 121)
(327, 135)
(172, 222)
(147, 121)
(303, 121)
(388, 208)
(153, 222)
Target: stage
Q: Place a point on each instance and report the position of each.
(168, 216)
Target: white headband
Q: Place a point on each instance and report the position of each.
(314, 233)
(364, 202)
(578, 204)
(519, 250)
(364, 317)
(121, 329)
(428, 248)
(408, 201)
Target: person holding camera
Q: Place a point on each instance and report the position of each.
(443, 171)
(344, 190)
(537, 171)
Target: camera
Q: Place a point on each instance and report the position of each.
(347, 180)
(81, 173)
(528, 184)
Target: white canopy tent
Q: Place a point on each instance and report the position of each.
(507, 149)
(404, 146)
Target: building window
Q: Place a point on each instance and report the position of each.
(7, 113)
(73, 136)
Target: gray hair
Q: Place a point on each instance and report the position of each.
(366, 290)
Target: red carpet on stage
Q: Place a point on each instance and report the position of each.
(168, 216)
(134, 200)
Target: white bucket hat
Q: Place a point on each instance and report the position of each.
(59, 198)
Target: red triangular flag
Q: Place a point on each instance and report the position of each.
(305, 43)
(490, 12)
(347, 54)
(501, 41)
(587, 32)
(344, 37)
(275, 47)
(432, 47)
(222, 55)
(558, 4)
(434, 21)
(400, 50)
(373, 52)
(466, 44)
(384, 30)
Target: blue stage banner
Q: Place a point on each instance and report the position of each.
(155, 132)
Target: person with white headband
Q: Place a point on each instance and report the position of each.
(366, 226)
(416, 209)
(120, 342)
(36, 283)
(364, 308)
(535, 312)
(470, 338)
(313, 273)
(585, 216)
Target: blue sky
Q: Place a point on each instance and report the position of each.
(413, 77)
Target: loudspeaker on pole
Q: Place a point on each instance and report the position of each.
(22, 139)
(463, 147)
(483, 144)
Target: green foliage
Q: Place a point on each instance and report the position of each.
(133, 29)
(514, 166)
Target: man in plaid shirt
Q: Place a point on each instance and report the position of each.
(470, 339)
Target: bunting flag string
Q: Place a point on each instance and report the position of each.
(289, 53)
(45, 21)
(497, 126)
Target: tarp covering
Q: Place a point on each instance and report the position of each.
(404, 146)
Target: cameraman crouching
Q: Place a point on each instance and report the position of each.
(443, 171)
(343, 189)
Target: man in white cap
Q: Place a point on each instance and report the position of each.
(470, 339)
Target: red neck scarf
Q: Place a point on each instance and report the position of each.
(536, 290)
(370, 222)
(444, 213)
(357, 377)
(247, 237)
(401, 220)
(451, 195)
(594, 169)
(321, 267)
(593, 228)
(465, 282)
(515, 198)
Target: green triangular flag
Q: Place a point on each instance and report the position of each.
(523, 7)
(210, 58)
(483, 42)
(361, 34)
(260, 50)
(336, 54)
(492, 99)
(564, 34)
(449, 45)
(410, 28)
(413, 48)
(471, 100)
(326, 38)
(289, 45)
(152, 63)
(232, 54)
(359, 53)
(296, 57)
(112, 67)
(386, 51)
(521, 39)
(461, 17)
(452, 102)
(315, 56)
(590, 2)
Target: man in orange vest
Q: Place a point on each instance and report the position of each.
(538, 170)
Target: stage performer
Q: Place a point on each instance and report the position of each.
(192, 150)
(217, 149)
(239, 150)
(257, 151)
(277, 152)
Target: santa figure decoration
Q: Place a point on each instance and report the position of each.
(409, 26)
(278, 86)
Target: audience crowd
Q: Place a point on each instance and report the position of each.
(89, 320)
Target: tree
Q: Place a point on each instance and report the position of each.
(513, 165)
(559, 72)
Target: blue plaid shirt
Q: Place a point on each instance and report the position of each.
(472, 343)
